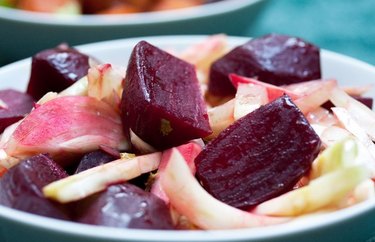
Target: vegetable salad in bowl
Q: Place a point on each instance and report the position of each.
(210, 137)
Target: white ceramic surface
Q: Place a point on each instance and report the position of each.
(353, 224)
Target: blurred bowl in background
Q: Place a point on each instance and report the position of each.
(25, 33)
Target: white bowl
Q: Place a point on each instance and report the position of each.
(351, 224)
(24, 33)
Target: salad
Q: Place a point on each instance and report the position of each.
(252, 132)
(100, 7)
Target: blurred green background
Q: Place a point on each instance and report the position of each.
(344, 26)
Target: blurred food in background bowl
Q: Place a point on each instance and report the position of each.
(25, 32)
(101, 7)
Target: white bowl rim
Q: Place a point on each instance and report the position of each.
(203, 11)
(249, 234)
(312, 223)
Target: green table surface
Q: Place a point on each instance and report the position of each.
(344, 26)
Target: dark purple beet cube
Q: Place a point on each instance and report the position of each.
(14, 105)
(21, 187)
(275, 59)
(260, 156)
(161, 101)
(124, 206)
(93, 159)
(56, 69)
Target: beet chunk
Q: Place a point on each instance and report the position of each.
(56, 69)
(13, 107)
(260, 156)
(276, 59)
(21, 187)
(93, 159)
(124, 206)
(161, 101)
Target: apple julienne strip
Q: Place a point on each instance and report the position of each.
(248, 98)
(191, 200)
(204, 53)
(358, 130)
(104, 83)
(362, 114)
(96, 179)
(189, 151)
(221, 117)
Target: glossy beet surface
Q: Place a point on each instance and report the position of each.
(93, 159)
(14, 105)
(124, 206)
(260, 156)
(276, 59)
(21, 187)
(161, 101)
(56, 69)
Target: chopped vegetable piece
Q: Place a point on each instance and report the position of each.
(248, 98)
(354, 127)
(307, 95)
(66, 127)
(191, 200)
(333, 134)
(56, 69)
(189, 151)
(326, 190)
(362, 114)
(273, 92)
(276, 59)
(124, 206)
(161, 101)
(221, 117)
(204, 53)
(93, 159)
(97, 179)
(21, 187)
(14, 106)
(139, 145)
(260, 156)
(104, 83)
(312, 94)
(340, 154)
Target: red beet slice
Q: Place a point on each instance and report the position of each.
(56, 69)
(276, 59)
(161, 101)
(124, 206)
(21, 187)
(260, 156)
(93, 159)
(13, 107)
